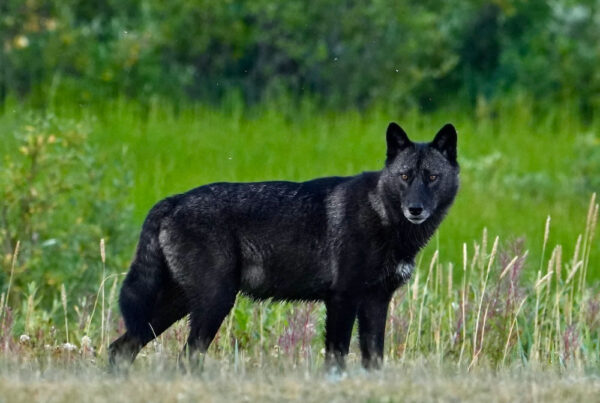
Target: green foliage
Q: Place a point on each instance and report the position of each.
(58, 198)
(493, 316)
(529, 148)
(588, 162)
(65, 184)
(343, 53)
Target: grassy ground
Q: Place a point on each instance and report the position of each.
(513, 317)
(395, 384)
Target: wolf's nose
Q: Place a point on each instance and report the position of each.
(415, 210)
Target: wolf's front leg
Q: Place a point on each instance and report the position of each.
(372, 314)
(341, 313)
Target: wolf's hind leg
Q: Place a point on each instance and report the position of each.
(212, 295)
(204, 324)
(171, 305)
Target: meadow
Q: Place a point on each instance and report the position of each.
(504, 303)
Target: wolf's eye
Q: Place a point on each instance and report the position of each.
(404, 177)
(432, 178)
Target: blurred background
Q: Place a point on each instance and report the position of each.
(340, 53)
(107, 106)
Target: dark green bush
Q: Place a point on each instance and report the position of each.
(344, 53)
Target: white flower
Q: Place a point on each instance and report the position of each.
(68, 347)
(21, 42)
(24, 339)
(86, 342)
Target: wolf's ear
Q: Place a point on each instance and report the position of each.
(397, 140)
(445, 142)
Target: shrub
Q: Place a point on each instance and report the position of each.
(52, 200)
(344, 53)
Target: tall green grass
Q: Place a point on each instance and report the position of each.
(508, 280)
(519, 164)
(493, 317)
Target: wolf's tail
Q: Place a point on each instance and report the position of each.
(146, 275)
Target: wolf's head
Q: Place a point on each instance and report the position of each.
(420, 179)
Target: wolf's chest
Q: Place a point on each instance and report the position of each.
(404, 270)
(394, 275)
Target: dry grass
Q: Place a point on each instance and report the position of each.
(406, 383)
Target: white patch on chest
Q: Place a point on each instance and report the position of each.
(405, 270)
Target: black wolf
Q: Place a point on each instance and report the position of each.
(347, 241)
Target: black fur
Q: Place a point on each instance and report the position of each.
(347, 241)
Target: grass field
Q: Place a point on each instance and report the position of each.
(519, 164)
(504, 304)
(395, 384)
(512, 164)
(517, 168)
